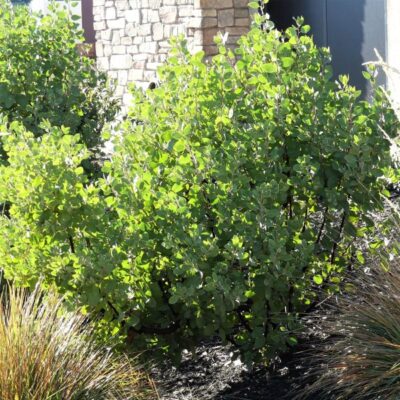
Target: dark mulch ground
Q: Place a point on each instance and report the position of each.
(211, 374)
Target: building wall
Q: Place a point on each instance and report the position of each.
(393, 49)
(132, 35)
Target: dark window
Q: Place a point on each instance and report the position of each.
(351, 28)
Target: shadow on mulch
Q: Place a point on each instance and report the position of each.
(211, 374)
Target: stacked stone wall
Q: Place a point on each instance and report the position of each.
(132, 36)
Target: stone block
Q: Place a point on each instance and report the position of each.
(99, 49)
(237, 30)
(106, 35)
(226, 18)
(209, 22)
(132, 16)
(209, 35)
(240, 3)
(119, 49)
(144, 30)
(122, 78)
(210, 50)
(103, 63)
(198, 38)
(136, 74)
(131, 30)
(152, 66)
(111, 13)
(155, 4)
(116, 23)
(216, 4)
(132, 49)
(118, 62)
(121, 5)
(148, 47)
(107, 50)
(242, 22)
(212, 12)
(99, 26)
(154, 16)
(168, 15)
(116, 38)
(138, 39)
(195, 22)
(158, 31)
(126, 41)
(242, 13)
(139, 64)
(185, 11)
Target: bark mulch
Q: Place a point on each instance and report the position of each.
(211, 374)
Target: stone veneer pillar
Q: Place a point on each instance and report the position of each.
(132, 35)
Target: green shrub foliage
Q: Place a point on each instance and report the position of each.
(43, 76)
(236, 198)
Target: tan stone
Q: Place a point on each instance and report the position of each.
(209, 22)
(208, 36)
(216, 4)
(240, 3)
(234, 30)
(212, 12)
(241, 12)
(210, 50)
(242, 22)
(226, 18)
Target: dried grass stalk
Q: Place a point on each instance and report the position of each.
(49, 354)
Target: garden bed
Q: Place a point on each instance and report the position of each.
(211, 374)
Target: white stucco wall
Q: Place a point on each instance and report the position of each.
(393, 47)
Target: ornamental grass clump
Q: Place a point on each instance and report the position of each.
(359, 359)
(47, 353)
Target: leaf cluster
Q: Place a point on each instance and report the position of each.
(44, 77)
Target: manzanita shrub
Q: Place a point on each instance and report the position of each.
(234, 200)
(43, 75)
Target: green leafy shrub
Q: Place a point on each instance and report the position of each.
(48, 353)
(43, 76)
(236, 198)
